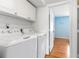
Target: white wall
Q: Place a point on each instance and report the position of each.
(42, 23)
(61, 10)
(14, 21)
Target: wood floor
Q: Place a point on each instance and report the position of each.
(60, 49)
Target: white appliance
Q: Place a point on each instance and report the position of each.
(41, 42)
(41, 45)
(18, 46)
(29, 45)
(23, 48)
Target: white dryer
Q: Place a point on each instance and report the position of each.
(41, 45)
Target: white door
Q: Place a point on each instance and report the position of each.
(25, 9)
(52, 29)
(7, 6)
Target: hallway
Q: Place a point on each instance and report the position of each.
(60, 49)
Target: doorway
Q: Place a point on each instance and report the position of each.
(59, 30)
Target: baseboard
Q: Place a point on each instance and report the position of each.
(63, 37)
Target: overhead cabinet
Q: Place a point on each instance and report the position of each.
(7, 6)
(21, 8)
(25, 9)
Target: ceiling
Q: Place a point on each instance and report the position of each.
(39, 3)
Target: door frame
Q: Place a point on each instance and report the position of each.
(73, 49)
(51, 36)
(73, 20)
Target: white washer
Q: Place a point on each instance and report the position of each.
(21, 48)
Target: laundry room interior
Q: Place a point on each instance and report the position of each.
(37, 28)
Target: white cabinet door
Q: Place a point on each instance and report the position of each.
(7, 3)
(25, 9)
(31, 11)
(7, 6)
(21, 8)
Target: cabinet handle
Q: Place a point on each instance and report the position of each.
(15, 13)
(29, 18)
